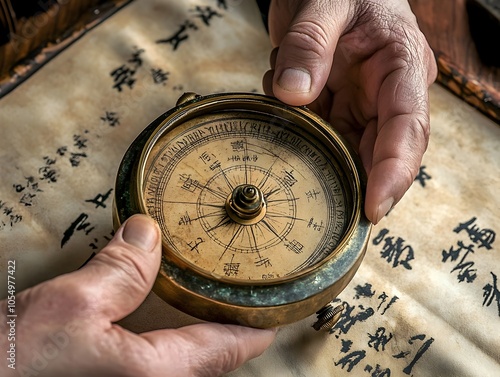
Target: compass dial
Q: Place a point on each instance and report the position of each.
(260, 206)
(245, 197)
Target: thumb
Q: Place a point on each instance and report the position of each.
(306, 50)
(207, 349)
(121, 275)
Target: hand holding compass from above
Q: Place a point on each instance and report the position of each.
(364, 67)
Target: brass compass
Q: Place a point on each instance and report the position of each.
(260, 206)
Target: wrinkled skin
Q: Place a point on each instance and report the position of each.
(65, 327)
(369, 70)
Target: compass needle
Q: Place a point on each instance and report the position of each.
(270, 193)
(238, 231)
(283, 216)
(225, 221)
(193, 203)
(226, 179)
(259, 205)
(254, 239)
(271, 229)
(267, 174)
(247, 181)
(218, 194)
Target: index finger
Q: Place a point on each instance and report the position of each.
(401, 136)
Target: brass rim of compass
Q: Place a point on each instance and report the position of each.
(253, 304)
(204, 106)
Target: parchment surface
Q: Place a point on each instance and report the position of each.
(426, 300)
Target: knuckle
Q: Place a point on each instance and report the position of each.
(398, 30)
(415, 50)
(309, 36)
(126, 265)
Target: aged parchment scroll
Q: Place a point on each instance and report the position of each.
(426, 300)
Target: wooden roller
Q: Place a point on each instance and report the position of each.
(33, 31)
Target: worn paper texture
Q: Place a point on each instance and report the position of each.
(426, 300)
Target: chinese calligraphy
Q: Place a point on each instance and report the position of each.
(205, 14)
(395, 251)
(83, 224)
(378, 340)
(461, 254)
(463, 257)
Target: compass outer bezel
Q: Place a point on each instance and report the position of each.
(270, 304)
(206, 106)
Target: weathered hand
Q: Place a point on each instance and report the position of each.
(65, 326)
(365, 67)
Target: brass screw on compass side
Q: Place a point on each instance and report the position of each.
(328, 316)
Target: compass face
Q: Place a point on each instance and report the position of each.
(246, 197)
(259, 204)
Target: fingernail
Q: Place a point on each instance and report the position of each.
(383, 209)
(141, 232)
(295, 80)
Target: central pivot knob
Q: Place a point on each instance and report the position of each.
(246, 204)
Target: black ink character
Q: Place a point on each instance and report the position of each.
(61, 151)
(481, 237)
(294, 246)
(466, 272)
(351, 360)
(395, 251)
(363, 291)
(79, 142)
(205, 14)
(80, 224)
(312, 195)
(491, 292)
(123, 75)
(14, 218)
(194, 244)
(159, 76)
(266, 262)
(378, 372)
(238, 145)
(418, 354)
(75, 158)
(180, 36)
(349, 319)
(346, 345)
(379, 340)
(100, 199)
(289, 179)
(222, 4)
(29, 191)
(185, 219)
(422, 176)
(383, 297)
(188, 184)
(48, 172)
(231, 268)
(111, 118)
(136, 59)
